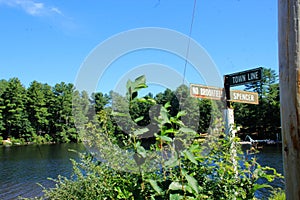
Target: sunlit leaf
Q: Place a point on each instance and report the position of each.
(192, 182)
(139, 119)
(190, 156)
(175, 186)
(175, 197)
(154, 185)
(165, 138)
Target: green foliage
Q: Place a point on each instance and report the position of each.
(263, 118)
(17, 141)
(40, 113)
(37, 108)
(100, 100)
(133, 87)
(175, 166)
(93, 180)
(13, 109)
(278, 195)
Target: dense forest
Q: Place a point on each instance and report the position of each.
(42, 113)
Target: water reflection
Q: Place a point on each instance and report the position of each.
(22, 167)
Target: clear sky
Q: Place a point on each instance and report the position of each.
(48, 40)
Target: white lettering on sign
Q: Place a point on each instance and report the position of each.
(239, 79)
(244, 77)
(243, 97)
(195, 90)
(210, 92)
(253, 76)
(206, 92)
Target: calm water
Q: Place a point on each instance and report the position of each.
(22, 167)
(271, 156)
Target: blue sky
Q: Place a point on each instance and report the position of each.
(48, 41)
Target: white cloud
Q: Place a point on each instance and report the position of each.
(56, 10)
(32, 7)
(38, 8)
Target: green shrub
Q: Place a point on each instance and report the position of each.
(17, 141)
(190, 176)
(174, 167)
(38, 139)
(278, 195)
(92, 180)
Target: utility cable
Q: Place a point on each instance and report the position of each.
(189, 41)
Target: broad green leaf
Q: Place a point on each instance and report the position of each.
(190, 156)
(140, 131)
(164, 115)
(140, 80)
(140, 86)
(172, 162)
(175, 186)
(140, 150)
(194, 147)
(176, 121)
(129, 84)
(139, 83)
(181, 113)
(187, 130)
(152, 100)
(142, 100)
(119, 114)
(165, 138)
(259, 186)
(133, 87)
(189, 189)
(139, 119)
(192, 182)
(171, 130)
(175, 197)
(154, 185)
(167, 105)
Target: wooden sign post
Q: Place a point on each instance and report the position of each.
(289, 79)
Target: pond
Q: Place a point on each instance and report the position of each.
(22, 167)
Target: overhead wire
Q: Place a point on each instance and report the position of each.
(189, 41)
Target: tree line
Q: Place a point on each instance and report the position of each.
(42, 113)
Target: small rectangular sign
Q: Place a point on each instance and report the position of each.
(241, 78)
(243, 96)
(215, 93)
(206, 92)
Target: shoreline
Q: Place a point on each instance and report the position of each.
(33, 143)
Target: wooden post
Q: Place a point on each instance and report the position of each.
(229, 122)
(289, 78)
(228, 111)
